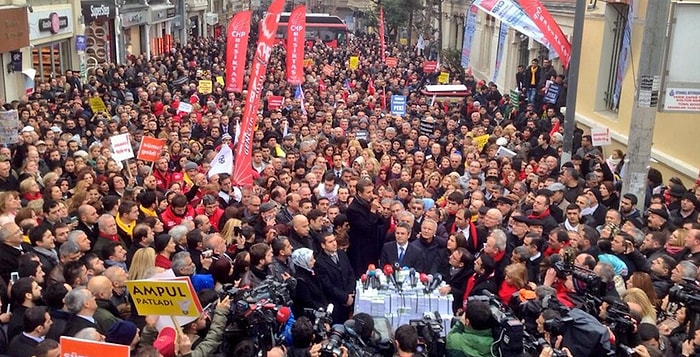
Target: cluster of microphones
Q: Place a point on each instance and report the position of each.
(371, 278)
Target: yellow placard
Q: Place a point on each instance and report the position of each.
(444, 77)
(97, 105)
(205, 86)
(481, 141)
(403, 41)
(164, 297)
(220, 80)
(308, 62)
(354, 62)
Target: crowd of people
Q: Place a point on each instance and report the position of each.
(340, 183)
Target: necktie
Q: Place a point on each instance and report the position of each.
(401, 251)
(335, 258)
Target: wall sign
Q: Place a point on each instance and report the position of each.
(50, 21)
(95, 10)
(54, 23)
(14, 29)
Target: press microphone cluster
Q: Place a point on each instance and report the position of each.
(430, 281)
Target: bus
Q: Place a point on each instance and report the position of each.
(329, 28)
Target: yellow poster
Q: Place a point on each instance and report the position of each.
(97, 105)
(444, 77)
(205, 87)
(220, 80)
(354, 62)
(164, 297)
(481, 141)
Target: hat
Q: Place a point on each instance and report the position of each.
(504, 200)
(267, 206)
(40, 142)
(659, 212)
(80, 153)
(226, 136)
(165, 343)
(596, 192)
(128, 97)
(691, 197)
(521, 218)
(677, 191)
(535, 222)
(56, 129)
(121, 333)
(28, 129)
(557, 186)
(501, 141)
(161, 242)
(364, 120)
(491, 179)
(289, 137)
(191, 166)
(75, 138)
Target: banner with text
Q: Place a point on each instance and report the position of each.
(382, 44)
(164, 297)
(150, 148)
(398, 105)
(121, 147)
(625, 52)
(85, 348)
(236, 48)
(242, 172)
(546, 23)
(510, 13)
(469, 31)
(502, 34)
(296, 36)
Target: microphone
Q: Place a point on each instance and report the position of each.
(437, 279)
(329, 309)
(397, 268)
(424, 279)
(412, 277)
(389, 273)
(365, 281)
(283, 314)
(377, 281)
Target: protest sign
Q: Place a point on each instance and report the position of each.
(444, 77)
(600, 136)
(150, 148)
(354, 62)
(398, 105)
(328, 70)
(205, 87)
(164, 297)
(429, 66)
(481, 141)
(9, 127)
(184, 107)
(121, 147)
(97, 105)
(391, 61)
(220, 80)
(274, 102)
(85, 348)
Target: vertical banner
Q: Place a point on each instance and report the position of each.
(502, 34)
(242, 171)
(624, 58)
(236, 48)
(469, 31)
(296, 37)
(382, 44)
(549, 27)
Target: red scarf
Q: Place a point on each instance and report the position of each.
(472, 234)
(541, 215)
(470, 286)
(113, 238)
(32, 196)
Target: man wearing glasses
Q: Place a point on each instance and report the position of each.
(11, 247)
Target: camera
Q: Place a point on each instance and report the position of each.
(686, 293)
(346, 335)
(321, 318)
(533, 346)
(509, 330)
(430, 340)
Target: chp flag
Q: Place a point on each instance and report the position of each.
(222, 162)
(236, 48)
(549, 27)
(296, 36)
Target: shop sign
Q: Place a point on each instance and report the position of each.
(54, 23)
(161, 14)
(14, 32)
(132, 19)
(93, 11)
(80, 43)
(45, 24)
(171, 12)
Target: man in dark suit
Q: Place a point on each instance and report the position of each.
(366, 231)
(12, 246)
(82, 304)
(87, 222)
(37, 322)
(407, 255)
(336, 276)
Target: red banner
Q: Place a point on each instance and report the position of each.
(391, 61)
(552, 32)
(296, 35)
(274, 102)
(243, 169)
(429, 66)
(382, 45)
(236, 48)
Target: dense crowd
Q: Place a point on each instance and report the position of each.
(340, 183)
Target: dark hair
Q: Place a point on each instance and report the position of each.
(72, 270)
(364, 325)
(407, 338)
(220, 270)
(632, 197)
(147, 198)
(36, 234)
(479, 315)
(302, 332)
(34, 317)
(20, 288)
(108, 202)
(28, 269)
(43, 348)
(278, 244)
(48, 205)
(108, 250)
(257, 253)
(53, 295)
(178, 201)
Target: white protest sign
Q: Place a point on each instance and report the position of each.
(121, 147)
(600, 136)
(184, 107)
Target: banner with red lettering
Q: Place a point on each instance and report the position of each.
(243, 169)
(549, 27)
(382, 45)
(236, 48)
(296, 35)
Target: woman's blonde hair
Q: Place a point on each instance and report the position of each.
(227, 231)
(639, 297)
(26, 184)
(143, 265)
(517, 274)
(680, 233)
(4, 196)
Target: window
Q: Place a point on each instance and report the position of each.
(615, 22)
(51, 60)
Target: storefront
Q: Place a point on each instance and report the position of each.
(159, 29)
(213, 28)
(14, 47)
(99, 32)
(134, 40)
(50, 32)
(195, 17)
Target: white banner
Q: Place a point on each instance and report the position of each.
(469, 31)
(121, 147)
(222, 162)
(509, 12)
(600, 136)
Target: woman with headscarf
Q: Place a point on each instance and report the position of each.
(308, 294)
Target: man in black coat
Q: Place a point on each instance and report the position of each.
(366, 233)
(82, 304)
(87, 222)
(37, 323)
(407, 255)
(12, 246)
(461, 263)
(336, 276)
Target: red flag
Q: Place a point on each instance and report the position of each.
(370, 87)
(243, 170)
(321, 85)
(236, 48)
(382, 45)
(552, 32)
(296, 35)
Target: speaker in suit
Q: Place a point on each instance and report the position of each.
(412, 256)
(337, 281)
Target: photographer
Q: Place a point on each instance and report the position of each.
(472, 336)
(303, 337)
(406, 341)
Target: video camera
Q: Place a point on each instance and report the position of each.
(585, 281)
(347, 335)
(508, 333)
(686, 293)
(430, 340)
(533, 346)
(321, 318)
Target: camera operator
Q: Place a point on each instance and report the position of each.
(303, 337)
(472, 336)
(691, 347)
(406, 341)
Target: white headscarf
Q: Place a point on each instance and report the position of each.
(302, 258)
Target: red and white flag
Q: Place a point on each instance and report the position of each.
(549, 27)
(296, 36)
(236, 49)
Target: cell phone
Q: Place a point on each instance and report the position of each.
(237, 231)
(14, 276)
(73, 219)
(207, 253)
